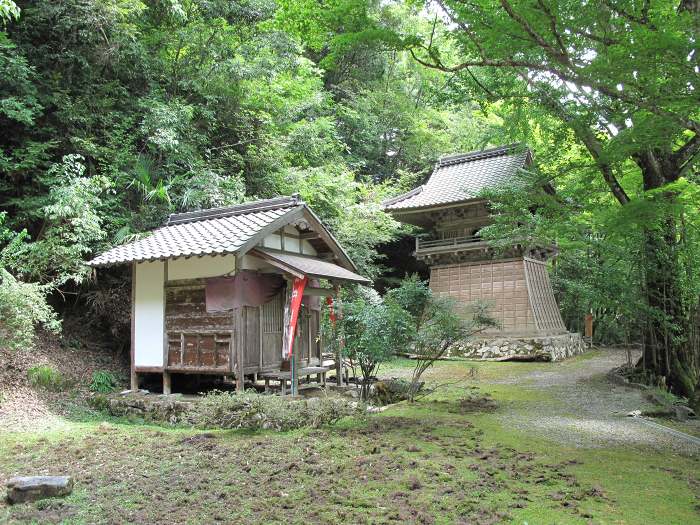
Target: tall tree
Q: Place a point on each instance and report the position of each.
(622, 75)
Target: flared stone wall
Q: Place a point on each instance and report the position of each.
(503, 284)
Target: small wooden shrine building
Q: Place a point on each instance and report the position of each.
(209, 290)
(450, 210)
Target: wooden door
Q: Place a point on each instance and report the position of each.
(252, 350)
(272, 324)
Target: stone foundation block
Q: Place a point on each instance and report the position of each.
(32, 488)
(545, 348)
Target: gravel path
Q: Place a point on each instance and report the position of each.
(584, 408)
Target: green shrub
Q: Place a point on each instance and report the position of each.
(98, 402)
(45, 377)
(257, 411)
(363, 327)
(103, 381)
(23, 306)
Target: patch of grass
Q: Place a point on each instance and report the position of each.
(45, 377)
(103, 382)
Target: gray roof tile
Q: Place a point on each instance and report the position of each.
(194, 233)
(462, 177)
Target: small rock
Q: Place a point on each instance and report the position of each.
(683, 412)
(32, 488)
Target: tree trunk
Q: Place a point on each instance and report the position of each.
(669, 354)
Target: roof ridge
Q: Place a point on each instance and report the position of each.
(238, 209)
(403, 196)
(458, 158)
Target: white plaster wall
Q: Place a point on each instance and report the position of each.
(250, 262)
(273, 241)
(149, 314)
(307, 249)
(197, 267)
(291, 244)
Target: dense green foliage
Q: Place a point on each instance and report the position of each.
(117, 112)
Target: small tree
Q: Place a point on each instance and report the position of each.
(364, 329)
(430, 325)
(22, 307)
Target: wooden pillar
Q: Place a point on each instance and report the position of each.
(339, 353)
(134, 375)
(167, 384)
(241, 339)
(239, 333)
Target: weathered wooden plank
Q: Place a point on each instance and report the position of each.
(190, 353)
(251, 355)
(203, 324)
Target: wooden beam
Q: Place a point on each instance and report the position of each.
(319, 292)
(279, 222)
(273, 262)
(342, 258)
(309, 235)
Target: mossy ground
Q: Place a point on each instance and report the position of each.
(436, 461)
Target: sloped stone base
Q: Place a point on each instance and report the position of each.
(547, 348)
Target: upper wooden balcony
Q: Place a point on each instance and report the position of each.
(426, 245)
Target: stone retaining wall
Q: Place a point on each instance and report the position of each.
(546, 348)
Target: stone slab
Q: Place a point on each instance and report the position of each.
(32, 488)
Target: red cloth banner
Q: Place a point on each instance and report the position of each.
(331, 311)
(294, 304)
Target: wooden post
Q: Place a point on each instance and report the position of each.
(339, 353)
(241, 341)
(240, 335)
(134, 375)
(295, 376)
(167, 384)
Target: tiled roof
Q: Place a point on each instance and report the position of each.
(462, 177)
(310, 266)
(214, 231)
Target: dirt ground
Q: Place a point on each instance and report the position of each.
(584, 408)
(497, 443)
(24, 408)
